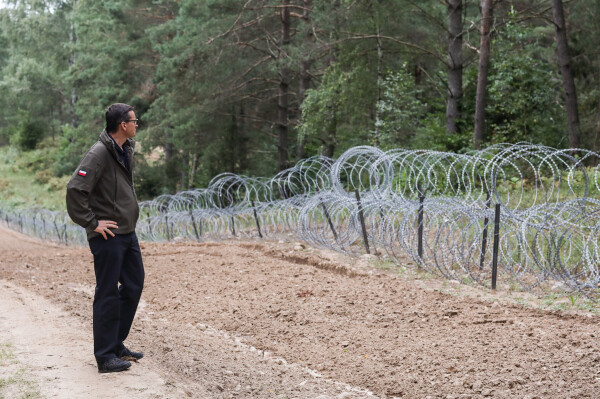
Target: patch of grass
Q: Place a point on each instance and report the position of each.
(550, 299)
(566, 301)
(589, 305)
(386, 264)
(468, 281)
(573, 299)
(6, 354)
(423, 274)
(520, 301)
(513, 287)
(26, 181)
(14, 382)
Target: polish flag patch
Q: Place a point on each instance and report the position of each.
(82, 172)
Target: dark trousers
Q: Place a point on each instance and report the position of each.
(116, 260)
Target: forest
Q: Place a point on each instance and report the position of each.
(253, 86)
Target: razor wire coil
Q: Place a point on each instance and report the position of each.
(550, 202)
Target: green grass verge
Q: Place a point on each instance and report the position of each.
(26, 180)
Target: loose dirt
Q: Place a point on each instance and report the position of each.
(253, 319)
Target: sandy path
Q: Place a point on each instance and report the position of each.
(54, 347)
(242, 319)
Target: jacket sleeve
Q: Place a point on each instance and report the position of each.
(80, 186)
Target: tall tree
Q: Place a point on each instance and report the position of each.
(284, 82)
(487, 13)
(564, 61)
(584, 40)
(524, 90)
(109, 60)
(35, 33)
(455, 65)
(222, 82)
(305, 65)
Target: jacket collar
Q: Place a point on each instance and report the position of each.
(110, 144)
(105, 138)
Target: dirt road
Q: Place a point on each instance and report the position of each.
(273, 320)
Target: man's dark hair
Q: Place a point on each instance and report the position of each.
(116, 114)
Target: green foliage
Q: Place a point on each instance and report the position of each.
(324, 108)
(341, 109)
(524, 102)
(432, 136)
(112, 60)
(190, 124)
(401, 112)
(583, 25)
(29, 133)
(33, 60)
(71, 147)
(149, 180)
(206, 77)
(26, 181)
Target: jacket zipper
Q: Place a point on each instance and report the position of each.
(115, 197)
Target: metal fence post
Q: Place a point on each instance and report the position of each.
(362, 222)
(335, 236)
(256, 219)
(496, 244)
(485, 233)
(168, 232)
(420, 228)
(194, 224)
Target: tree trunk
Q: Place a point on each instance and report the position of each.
(379, 86)
(242, 139)
(330, 140)
(283, 101)
(487, 12)
(305, 78)
(74, 118)
(185, 161)
(595, 146)
(564, 61)
(193, 166)
(329, 145)
(168, 145)
(232, 141)
(455, 66)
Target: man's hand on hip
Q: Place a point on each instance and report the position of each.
(104, 226)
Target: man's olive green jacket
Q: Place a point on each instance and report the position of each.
(102, 188)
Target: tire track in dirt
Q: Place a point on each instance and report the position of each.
(309, 310)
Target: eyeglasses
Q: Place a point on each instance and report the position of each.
(135, 121)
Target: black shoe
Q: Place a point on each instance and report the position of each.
(113, 365)
(126, 354)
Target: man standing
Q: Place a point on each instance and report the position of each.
(101, 198)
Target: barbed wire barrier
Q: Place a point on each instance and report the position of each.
(532, 210)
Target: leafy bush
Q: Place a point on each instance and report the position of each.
(432, 136)
(30, 133)
(58, 184)
(4, 136)
(400, 109)
(73, 144)
(149, 179)
(42, 176)
(4, 185)
(524, 90)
